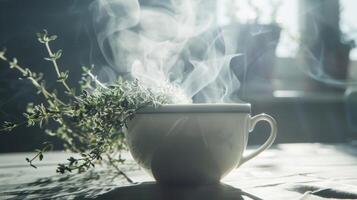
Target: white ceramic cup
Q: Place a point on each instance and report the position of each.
(195, 143)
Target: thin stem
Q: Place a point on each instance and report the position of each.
(48, 146)
(40, 153)
(111, 162)
(97, 81)
(54, 61)
(55, 65)
(45, 93)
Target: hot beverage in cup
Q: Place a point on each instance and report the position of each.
(194, 143)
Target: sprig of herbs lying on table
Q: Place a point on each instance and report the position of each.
(90, 123)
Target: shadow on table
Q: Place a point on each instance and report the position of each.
(104, 185)
(70, 186)
(153, 191)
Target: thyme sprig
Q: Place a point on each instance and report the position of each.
(39, 154)
(90, 123)
(45, 39)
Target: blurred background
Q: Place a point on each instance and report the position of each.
(300, 62)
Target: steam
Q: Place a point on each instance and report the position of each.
(170, 46)
(324, 55)
(313, 67)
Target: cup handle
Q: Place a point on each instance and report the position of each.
(273, 130)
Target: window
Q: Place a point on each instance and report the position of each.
(285, 13)
(348, 22)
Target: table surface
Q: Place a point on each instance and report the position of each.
(286, 171)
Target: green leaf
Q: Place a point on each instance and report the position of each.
(2, 54)
(42, 37)
(40, 157)
(58, 54)
(8, 126)
(53, 37)
(39, 35)
(13, 63)
(63, 76)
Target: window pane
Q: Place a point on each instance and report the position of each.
(262, 11)
(348, 22)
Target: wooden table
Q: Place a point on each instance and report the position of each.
(287, 171)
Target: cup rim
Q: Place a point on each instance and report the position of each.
(198, 108)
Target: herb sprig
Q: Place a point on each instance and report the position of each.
(89, 123)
